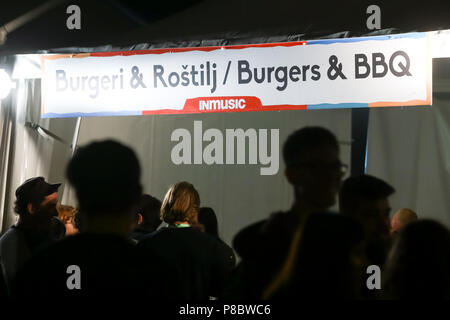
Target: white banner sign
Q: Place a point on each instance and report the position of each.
(338, 73)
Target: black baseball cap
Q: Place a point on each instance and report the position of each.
(34, 190)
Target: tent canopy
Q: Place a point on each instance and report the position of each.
(131, 22)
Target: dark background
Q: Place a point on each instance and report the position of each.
(120, 22)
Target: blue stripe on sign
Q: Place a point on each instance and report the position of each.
(415, 35)
(93, 114)
(336, 106)
(365, 156)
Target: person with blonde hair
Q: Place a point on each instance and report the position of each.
(202, 263)
(67, 215)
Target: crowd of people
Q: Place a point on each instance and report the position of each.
(121, 242)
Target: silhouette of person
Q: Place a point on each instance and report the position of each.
(106, 178)
(314, 170)
(35, 204)
(366, 199)
(208, 220)
(67, 215)
(58, 229)
(201, 261)
(418, 265)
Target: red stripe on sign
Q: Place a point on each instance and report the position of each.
(205, 49)
(224, 104)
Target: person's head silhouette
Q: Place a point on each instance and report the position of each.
(207, 217)
(106, 178)
(401, 218)
(181, 204)
(418, 264)
(313, 167)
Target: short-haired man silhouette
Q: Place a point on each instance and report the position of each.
(106, 178)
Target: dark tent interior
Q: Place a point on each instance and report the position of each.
(263, 225)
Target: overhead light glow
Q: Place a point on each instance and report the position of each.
(5, 84)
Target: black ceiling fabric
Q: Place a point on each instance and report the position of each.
(108, 25)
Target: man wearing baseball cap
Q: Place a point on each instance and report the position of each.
(35, 205)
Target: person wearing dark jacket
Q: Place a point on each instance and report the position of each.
(314, 170)
(207, 220)
(418, 264)
(366, 199)
(326, 260)
(202, 262)
(147, 217)
(35, 204)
